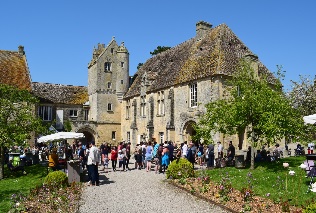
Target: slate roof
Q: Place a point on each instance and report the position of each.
(14, 70)
(60, 94)
(218, 52)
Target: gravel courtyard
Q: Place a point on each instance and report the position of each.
(139, 191)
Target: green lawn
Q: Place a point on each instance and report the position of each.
(269, 180)
(15, 183)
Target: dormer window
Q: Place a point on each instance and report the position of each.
(107, 66)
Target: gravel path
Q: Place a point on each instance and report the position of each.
(139, 191)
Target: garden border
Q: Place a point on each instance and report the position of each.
(203, 198)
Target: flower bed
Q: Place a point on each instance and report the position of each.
(48, 199)
(233, 200)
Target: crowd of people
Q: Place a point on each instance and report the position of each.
(146, 155)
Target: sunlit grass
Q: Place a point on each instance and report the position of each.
(15, 183)
(269, 180)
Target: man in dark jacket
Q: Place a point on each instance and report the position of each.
(191, 154)
(171, 149)
(211, 156)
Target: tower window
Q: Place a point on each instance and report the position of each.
(109, 85)
(110, 107)
(113, 135)
(122, 81)
(122, 64)
(107, 66)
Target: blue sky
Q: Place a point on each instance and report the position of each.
(59, 35)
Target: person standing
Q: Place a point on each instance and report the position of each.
(200, 154)
(191, 154)
(171, 150)
(165, 157)
(143, 147)
(121, 159)
(148, 156)
(211, 156)
(184, 149)
(128, 154)
(94, 156)
(114, 154)
(219, 149)
(231, 152)
(159, 154)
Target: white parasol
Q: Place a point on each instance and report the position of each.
(60, 136)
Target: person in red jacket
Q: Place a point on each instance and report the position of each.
(114, 155)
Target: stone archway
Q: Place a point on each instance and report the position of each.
(88, 135)
(188, 131)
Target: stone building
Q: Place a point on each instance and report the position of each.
(165, 99)
(59, 104)
(170, 90)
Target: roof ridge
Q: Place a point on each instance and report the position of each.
(42, 83)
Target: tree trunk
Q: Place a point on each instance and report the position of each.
(1, 163)
(252, 159)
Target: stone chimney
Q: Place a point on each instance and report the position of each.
(21, 50)
(202, 28)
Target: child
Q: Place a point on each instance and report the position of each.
(106, 162)
(120, 159)
(139, 159)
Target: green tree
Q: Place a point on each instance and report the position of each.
(17, 118)
(67, 126)
(252, 105)
(139, 65)
(159, 49)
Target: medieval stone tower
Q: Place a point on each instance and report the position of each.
(108, 80)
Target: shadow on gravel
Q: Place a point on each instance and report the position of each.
(104, 180)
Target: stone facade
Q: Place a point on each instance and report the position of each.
(108, 81)
(171, 89)
(168, 92)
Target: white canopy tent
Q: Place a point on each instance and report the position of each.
(60, 136)
(310, 119)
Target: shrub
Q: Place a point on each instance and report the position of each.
(57, 178)
(310, 208)
(180, 168)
